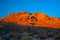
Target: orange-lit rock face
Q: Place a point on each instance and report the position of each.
(35, 19)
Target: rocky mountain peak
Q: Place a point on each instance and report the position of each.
(37, 19)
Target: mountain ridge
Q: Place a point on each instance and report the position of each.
(35, 19)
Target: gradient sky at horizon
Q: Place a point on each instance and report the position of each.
(49, 7)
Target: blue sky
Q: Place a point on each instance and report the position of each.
(49, 7)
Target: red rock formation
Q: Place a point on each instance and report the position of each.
(36, 19)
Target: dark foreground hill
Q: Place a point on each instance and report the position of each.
(12, 31)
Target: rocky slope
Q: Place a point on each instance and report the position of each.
(34, 19)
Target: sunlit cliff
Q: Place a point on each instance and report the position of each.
(34, 19)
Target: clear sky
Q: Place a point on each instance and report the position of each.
(49, 7)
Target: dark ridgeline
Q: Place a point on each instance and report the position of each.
(12, 31)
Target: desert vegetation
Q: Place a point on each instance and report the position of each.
(11, 31)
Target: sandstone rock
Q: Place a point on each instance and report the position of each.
(34, 19)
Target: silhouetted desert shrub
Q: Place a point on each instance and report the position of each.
(19, 32)
(26, 38)
(57, 38)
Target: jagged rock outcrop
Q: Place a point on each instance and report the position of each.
(34, 19)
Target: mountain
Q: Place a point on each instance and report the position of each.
(35, 19)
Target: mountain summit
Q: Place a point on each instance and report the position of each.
(34, 19)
